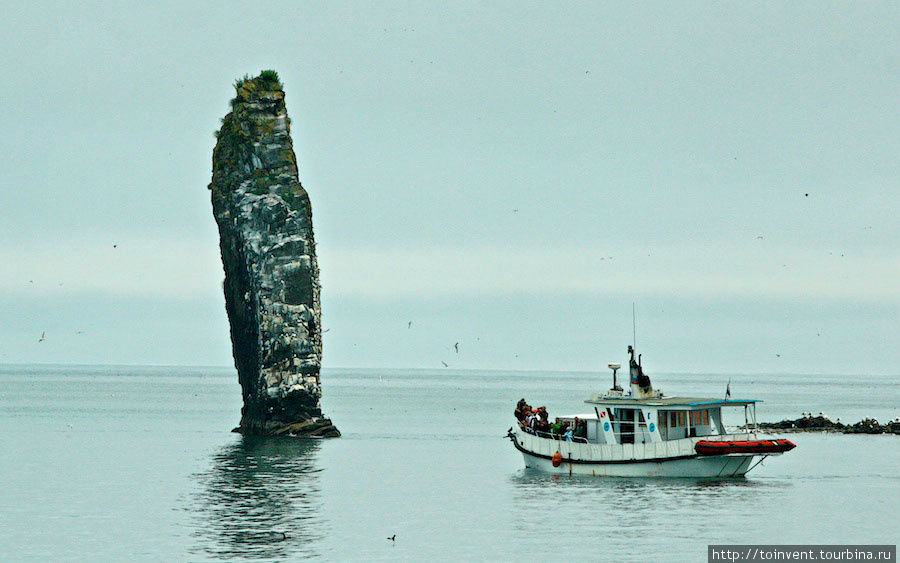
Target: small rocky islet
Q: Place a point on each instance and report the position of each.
(821, 423)
(272, 292)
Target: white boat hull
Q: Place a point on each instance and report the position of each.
(675, 458)
(704, 466)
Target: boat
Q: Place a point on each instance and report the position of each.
(643, 433)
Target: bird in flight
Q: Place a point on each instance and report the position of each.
(115, 246)
(409, 324)
(393, 538)
(43, 334)
(456, 347)
(445, 364)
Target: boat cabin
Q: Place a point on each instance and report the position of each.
(642, 414)
(641, 421)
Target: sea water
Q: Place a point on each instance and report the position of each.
(138, 463)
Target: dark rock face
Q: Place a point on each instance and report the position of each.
(804, 424)
(269, 256)
(866, 426)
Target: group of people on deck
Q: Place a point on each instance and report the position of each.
(535, 420)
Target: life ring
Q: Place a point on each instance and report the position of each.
(556, 460)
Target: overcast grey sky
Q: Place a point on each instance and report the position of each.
(510, 176)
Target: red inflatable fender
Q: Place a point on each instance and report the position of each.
(556, 460)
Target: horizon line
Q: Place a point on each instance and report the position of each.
(449, 369)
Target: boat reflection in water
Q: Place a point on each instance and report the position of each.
(260, 499)
(608, 514)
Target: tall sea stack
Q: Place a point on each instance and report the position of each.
(269, 255)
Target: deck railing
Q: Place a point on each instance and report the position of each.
(551, 436)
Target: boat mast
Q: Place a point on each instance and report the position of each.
(633, 328)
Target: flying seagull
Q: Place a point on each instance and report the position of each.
(393, 538)
(456, 347)
(43, 334)
(445, 364)
(409, 324)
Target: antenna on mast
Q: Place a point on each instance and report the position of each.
(633, 328)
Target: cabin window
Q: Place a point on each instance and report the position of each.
(626, 426)
(681, 418)
(700, 418)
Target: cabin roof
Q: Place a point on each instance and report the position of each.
(674, 402)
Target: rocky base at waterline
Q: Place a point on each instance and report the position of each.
(320, 428)
(272, 293)
(822, 423)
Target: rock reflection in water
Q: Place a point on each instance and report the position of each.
(260, 499)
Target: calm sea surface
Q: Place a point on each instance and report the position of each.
(131, 463)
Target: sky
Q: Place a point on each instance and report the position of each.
(510, 176)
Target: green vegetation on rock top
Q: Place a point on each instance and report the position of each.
(252, 120)
(270, 76)
(267, 81)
